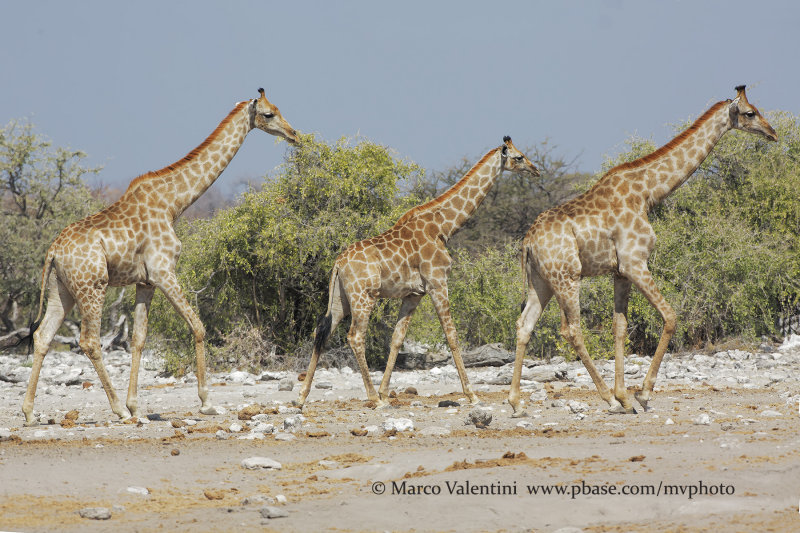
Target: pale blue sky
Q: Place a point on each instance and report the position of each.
(137, 85)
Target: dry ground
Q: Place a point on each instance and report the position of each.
(196, 481)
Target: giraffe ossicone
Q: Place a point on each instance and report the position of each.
(606, 231)
(408, 261)
(132, 241)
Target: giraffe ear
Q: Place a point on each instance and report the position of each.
(504, 149)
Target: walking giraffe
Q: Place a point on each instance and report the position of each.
(606, 230)
(408, 261)
(132, 241)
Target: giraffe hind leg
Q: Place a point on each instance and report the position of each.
(404, 319)
(59, 303)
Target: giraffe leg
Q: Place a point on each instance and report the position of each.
(59, 303)
(360, 309)
(144, 295)
(168, 283)
(622, 291)
(404, 319)
(325, 327)
(441, 303)
(568, 299)
(539, 294)
(91, 307)
(644, 282)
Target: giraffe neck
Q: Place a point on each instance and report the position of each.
(179, 185)
(670, 166)
(457, 204)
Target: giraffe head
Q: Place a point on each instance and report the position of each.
(514, 160)
(746, 117)
(267, 117)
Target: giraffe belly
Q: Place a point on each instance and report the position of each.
(400, 287)
(597, 257)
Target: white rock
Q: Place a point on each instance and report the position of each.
(669, 422)
(771, 413)
(284, 436)
(702, 420)
(221, 434)
(526, 424)
(399, 424)
(95, 513)
(235, 427)
(262, 427)
(261, 463)
(138, 490)
(293, 423)
(323, 385)
(577, 407)
(280, 498)
(273, 512)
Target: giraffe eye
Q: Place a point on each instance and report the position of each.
(518, 158)
(267, 115)
(750, 114)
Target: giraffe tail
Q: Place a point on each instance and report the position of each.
(48, 267)
(325, 322)
(525, 253)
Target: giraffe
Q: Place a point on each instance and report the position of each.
(408, 261)
(606, 231)
(133, 241)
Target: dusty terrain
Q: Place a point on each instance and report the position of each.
(719, 452)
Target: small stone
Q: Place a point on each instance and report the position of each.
(397, 424)
(138, 490)
(448, 403)
(221, 434)
(280, 498)
(286, 384)
(325, 464)
(323, 385)
(702, 420)
(261, 427)
(248, 412)
(411, 391)
(771, 413)
(5, 434)
(558, 403)
(293, 423)
(261, 463)
(175, 452)
(235, 428)
(286, 410)
(273, 512)
(212, 494)
(577, 407)
(284, 436)
(525, 424)
(479, 417)
(669, 422)
(95, 513)
(258, 498)
(213, 410)
(726, 426)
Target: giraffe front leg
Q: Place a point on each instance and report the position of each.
(168, 283)
(441, 303)
(644, 282)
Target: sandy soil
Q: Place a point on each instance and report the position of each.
(742, 469)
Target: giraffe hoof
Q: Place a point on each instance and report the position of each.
(522, 413)
(620, 410)
(212, 410)
(644, 402)
(30, 423)
(381, 404)
(298, 404)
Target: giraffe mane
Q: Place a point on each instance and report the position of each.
(188, 158)
(636, 163)
(449, 192)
